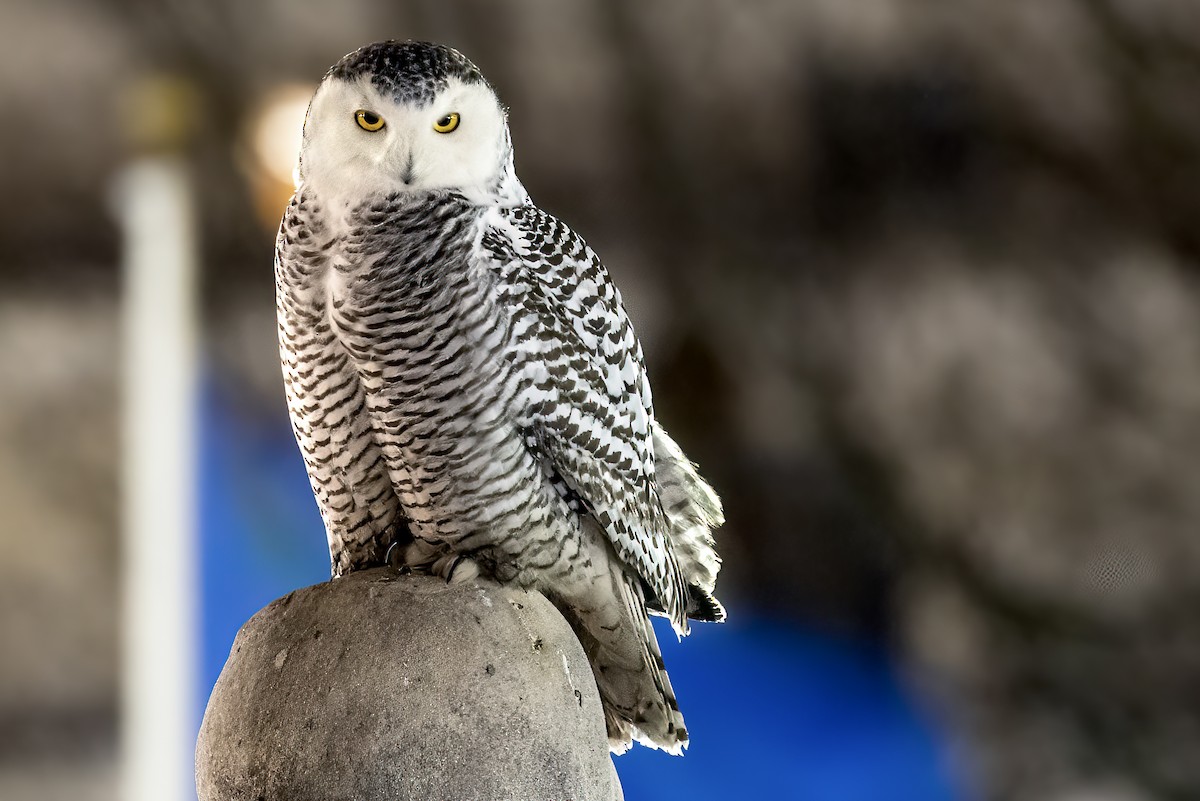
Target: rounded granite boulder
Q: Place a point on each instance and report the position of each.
(379, 685)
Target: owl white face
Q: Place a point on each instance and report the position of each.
(358, 142)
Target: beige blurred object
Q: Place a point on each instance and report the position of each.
(270, 143)
(58, 492)
(160, 112)
(82, 779)
(58, 589)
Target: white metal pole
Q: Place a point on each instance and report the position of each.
(159, 564)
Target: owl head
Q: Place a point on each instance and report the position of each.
(408, 118)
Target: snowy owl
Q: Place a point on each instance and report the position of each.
(465, 385)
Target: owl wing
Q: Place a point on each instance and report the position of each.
(588, 402)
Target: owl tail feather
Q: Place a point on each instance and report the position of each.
(693, 510)
(639, 703)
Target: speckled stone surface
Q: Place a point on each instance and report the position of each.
(378, 685)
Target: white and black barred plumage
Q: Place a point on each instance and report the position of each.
(464, 382)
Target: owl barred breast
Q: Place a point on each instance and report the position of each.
(465, 385)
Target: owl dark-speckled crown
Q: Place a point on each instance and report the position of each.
(409, 72)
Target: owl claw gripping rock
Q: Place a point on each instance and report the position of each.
(465, 385)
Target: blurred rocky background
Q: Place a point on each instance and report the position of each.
(917, 283)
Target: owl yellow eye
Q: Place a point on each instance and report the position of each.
(446, 124)
(368, 120)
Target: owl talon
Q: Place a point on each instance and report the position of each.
(400, 565)
(456, 569)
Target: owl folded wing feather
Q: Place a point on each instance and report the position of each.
(589, 406)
